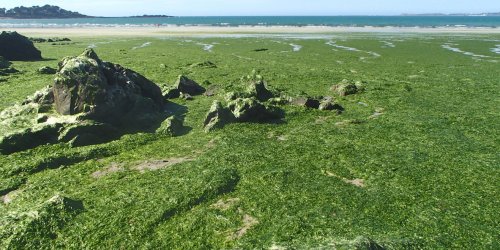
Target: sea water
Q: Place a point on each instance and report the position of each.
(346, 21)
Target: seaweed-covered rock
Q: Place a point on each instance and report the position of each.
(38, 226)
(104, 91)
(172, 126)
(307, 102)
(347, 87)
(46, 70)
(249, 109)
(5, 67)
(217, 117)
(16, 47)
(44, 96)
(329, 104)
(186, 85)
(49, 40)
(258, 90)
(362, 243)
(29, 138)
(87, 133)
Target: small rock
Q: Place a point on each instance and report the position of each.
(205, 64)
(43, 96)
(186, 85)
(172, 126)
(305, 102)
(211, 90)
(258, 90)
(46, 70)
(329, 104)
(171, 93)
(345, 88)
(186, 96)
(42, 118)
(249, 109)
(217, 117)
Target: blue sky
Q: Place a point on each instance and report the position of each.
(263, 7)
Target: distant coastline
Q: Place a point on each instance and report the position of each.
(454, 14)
(54, 12)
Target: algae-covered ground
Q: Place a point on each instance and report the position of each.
(412, 162)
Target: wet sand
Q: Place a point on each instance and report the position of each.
(210, 30)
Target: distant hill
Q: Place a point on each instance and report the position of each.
(39, 12)
(150, 16)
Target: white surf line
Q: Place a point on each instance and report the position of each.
(496, 50)
(296, 47)
(142, 46)
(334, 44)
(449, 46)
(388, 44)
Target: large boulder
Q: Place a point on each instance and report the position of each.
(104, 91)
(16, 47)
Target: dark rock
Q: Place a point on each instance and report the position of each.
(260, 50)
(186, 85)
(104, 92)
(29, 138)
(258, 90)
(217, 117)
(4, 63)
(42, 119)
(205, 64)
(249, 109)
(172, 126)
(8, 71)
(171, 93)
(88, 133)
(16, 47)
(305, 102)
(5, 68)
(329, 104)
(47, 70)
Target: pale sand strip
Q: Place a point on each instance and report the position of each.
(210, 30)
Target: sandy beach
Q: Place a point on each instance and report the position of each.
(211, 30)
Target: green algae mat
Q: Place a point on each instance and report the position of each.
(412, 162)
